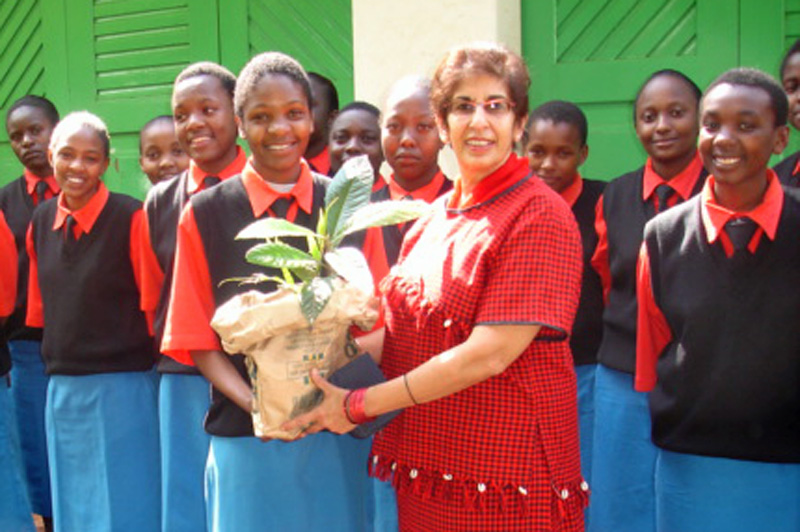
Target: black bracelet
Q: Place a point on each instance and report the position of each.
(411, 395)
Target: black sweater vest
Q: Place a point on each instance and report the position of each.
(588, 328)
(220, 213)
(93, 323)
(625, 214)
(163, 207)
(785, 170)
(17, 206)
(729, 382)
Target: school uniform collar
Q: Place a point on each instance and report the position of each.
(321, 163)
(573, 191)
(514, 169)
(427, 193)
(682, 184)
(196, 174)
(766, 214)
(31, 179)
(262, 196)
(86, 216)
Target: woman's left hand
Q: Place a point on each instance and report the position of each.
(328, 415)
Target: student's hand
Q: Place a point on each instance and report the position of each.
(329, 415)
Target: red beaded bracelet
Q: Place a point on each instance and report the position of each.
(354, 407)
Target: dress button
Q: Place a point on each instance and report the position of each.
(413, 473)
(522, 490)
(375, 459)
(564, 494)
(447, 476)
(447, 323)
(584, 486)
(394, 466)
(481, 487)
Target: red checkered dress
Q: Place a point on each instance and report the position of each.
(503, 454)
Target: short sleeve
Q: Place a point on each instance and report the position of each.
(535, 272)
(8, 269)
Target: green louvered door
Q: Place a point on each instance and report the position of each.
(22, 66)
(122, 63)
(596, 54)
(318, 34)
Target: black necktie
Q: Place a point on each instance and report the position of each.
(69, 229)
(209, 181)
(740, 231)
(664, 193)
(280, 207)
(40, 189)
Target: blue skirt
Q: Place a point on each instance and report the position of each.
(29, 389)
(702, 493)
(623, 457)
(317, 483)
(15, 508)
(182, 404)
(383, 506)
(585, 374)
(102, 439)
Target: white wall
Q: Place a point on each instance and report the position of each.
(396, 38)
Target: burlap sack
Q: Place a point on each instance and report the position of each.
(281, 348)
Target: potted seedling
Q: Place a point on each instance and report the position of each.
(324, 288)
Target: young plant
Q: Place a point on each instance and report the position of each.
(347, 211)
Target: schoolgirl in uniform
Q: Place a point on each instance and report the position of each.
(411, 144)
(356, 130)
(318, 483)
(623, 459)
(326, 107)
(160, 154)
(716, 344)
(555, 143)
(15, 508)
(101, 415)
(202, 104)
(29, 124)
(788, 170)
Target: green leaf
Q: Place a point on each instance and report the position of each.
(350, 264)
(269, 228)
(349, 191)
(382, 213)
(314, 295)
(278, 255)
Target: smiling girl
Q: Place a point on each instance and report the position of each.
(665, 118)
(319, 482)
(101, 417)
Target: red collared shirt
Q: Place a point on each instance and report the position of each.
(30, 185)
(152, 275)
(197, 174)
(85, 219)
(653, 332)
(321, 163)
(191, 308)
(682, 184)
(573, 191)
(8, 269)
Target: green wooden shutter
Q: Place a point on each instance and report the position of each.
(124, 62)
(597, 54)
(22, 65)
(318, 34)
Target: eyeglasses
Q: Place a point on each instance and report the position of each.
(493, 107)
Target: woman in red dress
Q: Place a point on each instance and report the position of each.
(478, 313)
